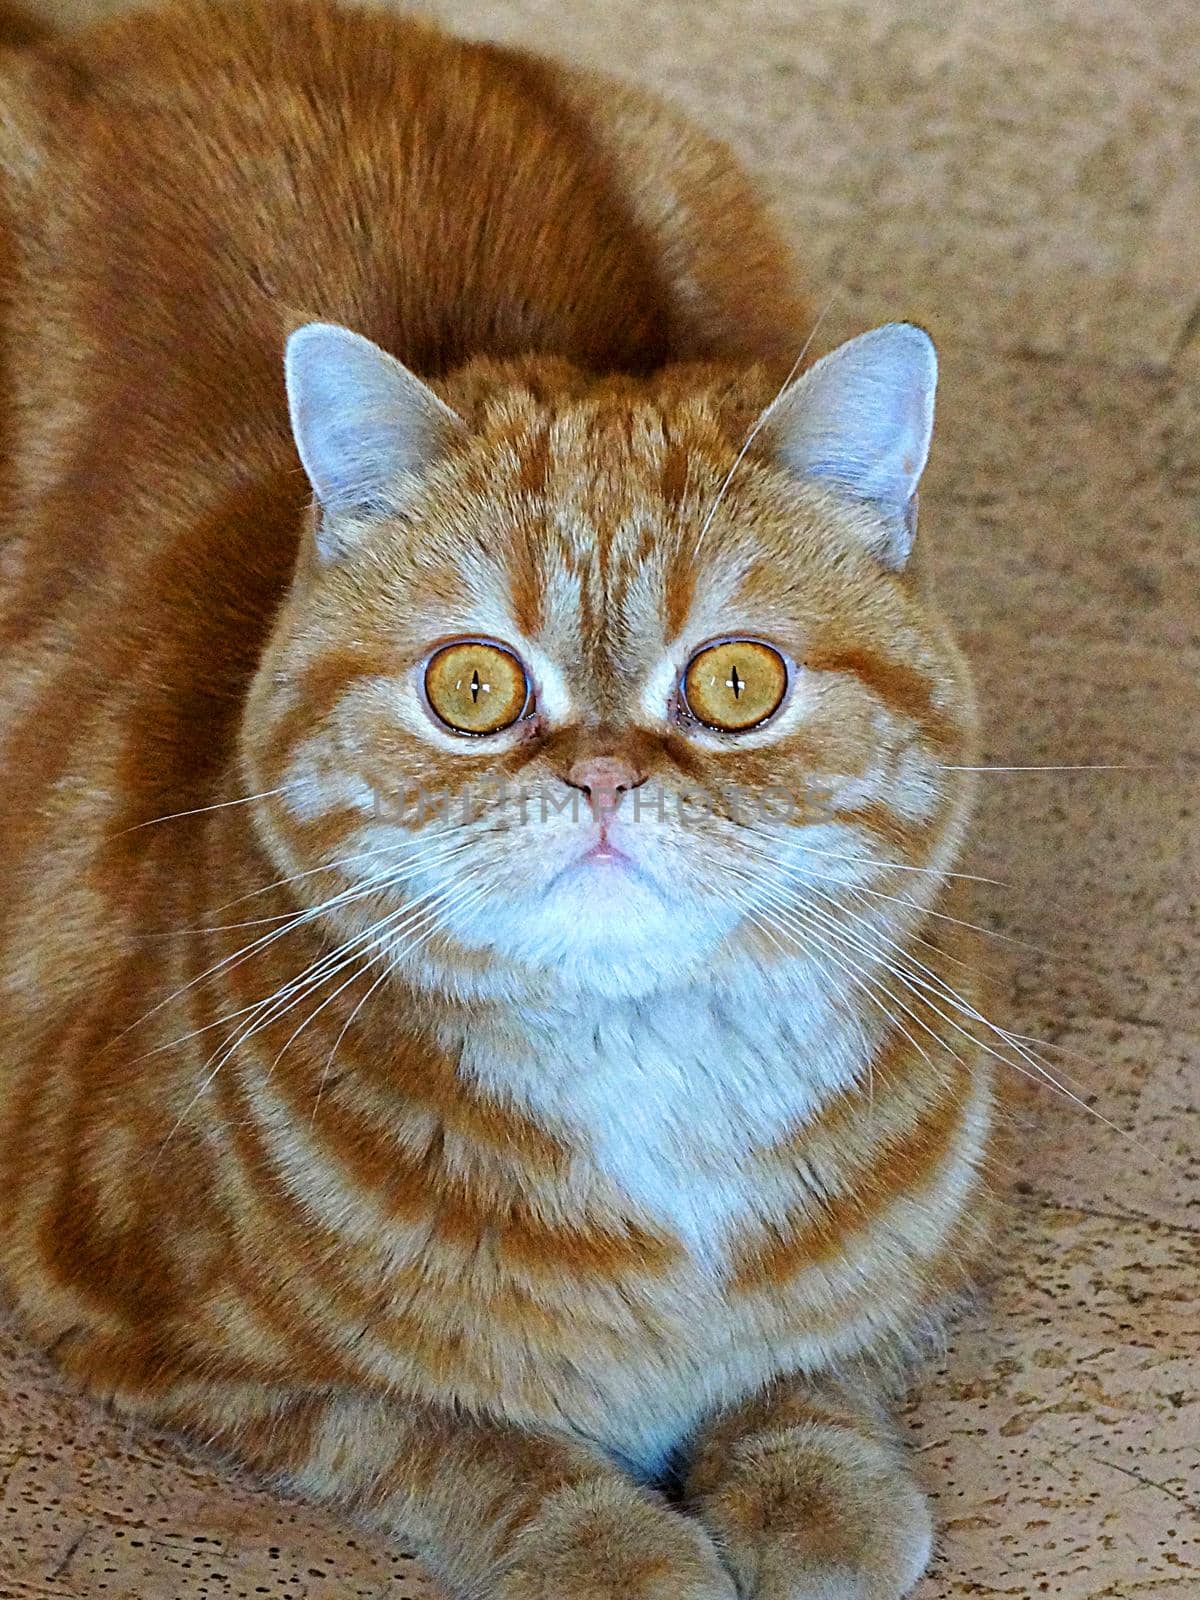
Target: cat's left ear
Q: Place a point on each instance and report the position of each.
(860, 421)
(363, 423)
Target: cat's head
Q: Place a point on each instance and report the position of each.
(606, 683)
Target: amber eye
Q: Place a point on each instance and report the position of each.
(476, 688)
(735, 685)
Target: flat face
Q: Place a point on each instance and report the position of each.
(774, 712)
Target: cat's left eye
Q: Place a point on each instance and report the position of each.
(476, 687)
(734, 685)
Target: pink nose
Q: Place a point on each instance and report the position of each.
(604, 779)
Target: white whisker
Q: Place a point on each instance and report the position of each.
(199, 811)
(312, 872)
(944, 992)
(388, 955)
(1083, 766)
(301, 919)
(804, 877)
(756, 429)
(851, 970)
(875, 861)
(277, 1005)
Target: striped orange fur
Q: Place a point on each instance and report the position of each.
(439, 1148)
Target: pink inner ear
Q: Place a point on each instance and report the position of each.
(861, 420)
(362, 421)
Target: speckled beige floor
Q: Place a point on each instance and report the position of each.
(1024, 178)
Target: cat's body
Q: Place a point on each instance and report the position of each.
(506, 1200)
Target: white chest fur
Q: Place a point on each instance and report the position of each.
(667, 1096)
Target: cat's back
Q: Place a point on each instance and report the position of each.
(243, 165)
(183, 187)
(206, 176)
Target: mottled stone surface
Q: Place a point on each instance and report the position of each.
(1025, 179)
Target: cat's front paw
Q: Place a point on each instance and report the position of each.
(609, 1541)
(813, 1513)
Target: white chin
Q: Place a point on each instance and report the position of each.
(605, 928)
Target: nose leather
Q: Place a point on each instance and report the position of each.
(604, 779)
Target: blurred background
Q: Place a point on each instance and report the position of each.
(1023, 178)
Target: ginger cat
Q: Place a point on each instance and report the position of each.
(476, 833)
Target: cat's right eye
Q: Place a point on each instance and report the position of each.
(476, 687)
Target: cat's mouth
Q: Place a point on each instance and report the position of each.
(602, 861)
(604, 853)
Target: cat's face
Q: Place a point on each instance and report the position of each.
(568, 703)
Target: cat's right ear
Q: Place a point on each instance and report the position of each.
(364, 426)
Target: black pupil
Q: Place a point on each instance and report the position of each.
(735, 683)
(476, 685)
